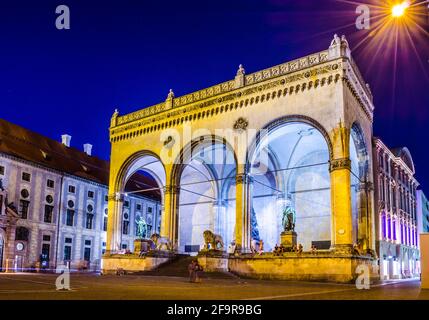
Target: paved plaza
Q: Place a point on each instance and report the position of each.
(136, 287)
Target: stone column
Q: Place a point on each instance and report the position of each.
(114, 232)
(341, 201)
(242, 209)
(169, 223)
(341, 205)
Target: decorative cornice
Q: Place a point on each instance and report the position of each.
(229, 86)
(340, 164)
(247, 96)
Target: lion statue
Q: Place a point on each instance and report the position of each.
(215, 241)
(161, 243)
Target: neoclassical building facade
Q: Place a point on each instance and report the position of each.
(229, 158)
(396, 200)
(53, 204)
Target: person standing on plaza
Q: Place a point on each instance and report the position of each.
(192, 271)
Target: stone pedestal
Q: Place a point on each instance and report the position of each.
(142, 245)
(137, 246)
(288, 239)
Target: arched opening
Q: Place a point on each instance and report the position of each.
(141, 193)
(359, 188)
(206, 181)
(290, 170)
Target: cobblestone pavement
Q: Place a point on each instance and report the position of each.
(130, 287)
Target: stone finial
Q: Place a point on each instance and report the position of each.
(241, 70)
(339, 48)
(170, 94)
(113, 121)
(336, 41)
(240, 77)
(344, 42)
(169, 100)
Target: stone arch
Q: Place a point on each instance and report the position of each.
(200, 200)
(130, 166)
(360, 193)
(288, 119)
(304, 137)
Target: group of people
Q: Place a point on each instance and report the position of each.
(195, 271)
(280, 249)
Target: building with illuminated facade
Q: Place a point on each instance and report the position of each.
(422, 212)
(53, 203)
(396, 205)
(232, 158)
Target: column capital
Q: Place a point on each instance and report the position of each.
(170, 189)
(243, 178)
(116, 197)
(366, 186)
(340, 164)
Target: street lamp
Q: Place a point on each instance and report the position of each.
(399, 9)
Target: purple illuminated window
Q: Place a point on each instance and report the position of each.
(389, 228)
(394, 229)
(383, 226)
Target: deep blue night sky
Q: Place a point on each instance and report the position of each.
(128, 54)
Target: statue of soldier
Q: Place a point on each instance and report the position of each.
(141, 228)
(289, 217)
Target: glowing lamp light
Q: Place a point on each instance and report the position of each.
(399, 9)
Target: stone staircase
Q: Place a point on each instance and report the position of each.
(178, 267)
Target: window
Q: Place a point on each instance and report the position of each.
(46, 247)
(23, 208)
(46, 238)
(26, 176)
(68, 240)
(87, 242)
(104, 244)
(149, 210)
(106, 198)
(89, 220)
(91, 194)
(139, 207)
(50, 183)
(70, 218)
(22, 234)
(67, 253)
(2, 170)
(72, 189)
(48, 214)
(24, 193)
(125, 227)
(124, 246)
(105, 224)
(87, 254)
(70, 204)
(49, 199)
(126, 204)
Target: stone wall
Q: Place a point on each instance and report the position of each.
(291, 266)
(130, 263)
